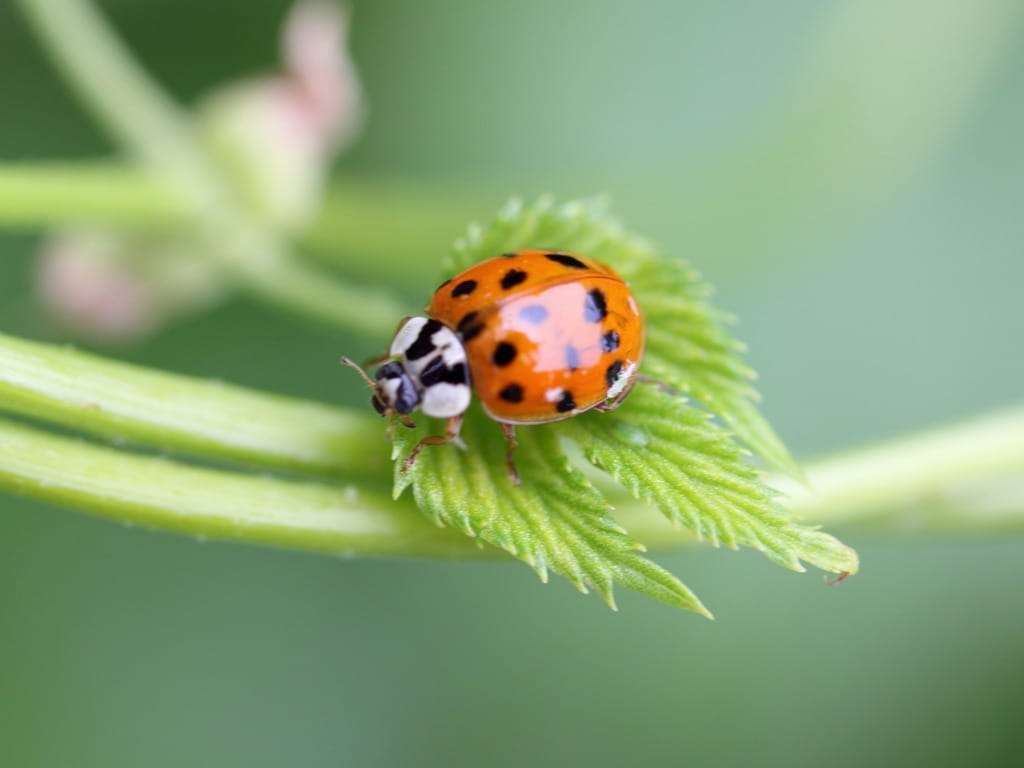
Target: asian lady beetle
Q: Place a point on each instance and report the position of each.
(541, 336)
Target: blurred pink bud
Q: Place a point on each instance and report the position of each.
(278, 135)
(314, 47)
(111, 288)
(81, 282)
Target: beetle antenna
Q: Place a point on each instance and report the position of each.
(362, 374)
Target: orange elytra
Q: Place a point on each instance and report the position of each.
(538, 335)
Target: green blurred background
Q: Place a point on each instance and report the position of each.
(849, 174)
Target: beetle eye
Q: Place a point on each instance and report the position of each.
(378, 406)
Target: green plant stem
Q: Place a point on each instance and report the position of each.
(968, 476)
(162, 494)
(118, 401)
(138, 115)
(914, 475)
(384, 231)
(952, 470)
(94, 195)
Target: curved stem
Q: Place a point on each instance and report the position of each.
(118, 401)
(163, 494)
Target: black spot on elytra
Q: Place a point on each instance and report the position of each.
(566, 260)
(464, 288)
(534, 313)
(512, 278)
(611, 374)
(610, 341)
(437, 372)
(513, 393)
(595, 308)
(424, 344)
(572, 357)
(504, 354)
(565, 402)
(468, 327)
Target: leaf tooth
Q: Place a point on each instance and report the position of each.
(667, 587)
(512, 209)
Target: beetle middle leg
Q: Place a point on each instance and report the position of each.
(509, 432)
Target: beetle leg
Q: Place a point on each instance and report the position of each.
(610, 405)
(509, 431)
(668, 389)
(451, 434)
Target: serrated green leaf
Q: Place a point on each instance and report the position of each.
(674, 456)
(555, 520)
(662, 449)
(688, 344)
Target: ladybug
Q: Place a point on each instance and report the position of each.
(538, 335)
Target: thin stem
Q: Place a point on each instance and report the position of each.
(932, 468)
(124, 402)
(163, 494)
(121, 96)
(105, 195)
(140, 117)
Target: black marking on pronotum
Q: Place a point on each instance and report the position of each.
(464, 288)
(572, 357)
(512, 278)
(612, 373)
(610, 341)
(595, 308)
(565, 402)
(442, 285)
(424, 343)
(468, 328)
(535, 313)
(513, 393)
(437, 372)
(504, 354)
(566, 260)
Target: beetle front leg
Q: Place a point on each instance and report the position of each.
(451, 434)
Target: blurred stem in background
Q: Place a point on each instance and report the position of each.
(141, 119)
(843, 148)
